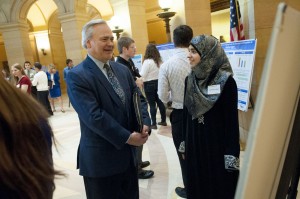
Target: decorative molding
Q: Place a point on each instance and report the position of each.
(217, 5)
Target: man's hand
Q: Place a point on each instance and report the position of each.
(138, 139)
(139, 82)
(146, 129)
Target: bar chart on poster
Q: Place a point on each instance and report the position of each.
(241, 55)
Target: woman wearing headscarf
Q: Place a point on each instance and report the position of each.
(211, 146)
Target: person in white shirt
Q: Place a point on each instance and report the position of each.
(149, 73)
(40, 80)
(171, 79)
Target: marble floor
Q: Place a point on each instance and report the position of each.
(159, 150)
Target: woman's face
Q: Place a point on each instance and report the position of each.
(193, 56)
(16, 72)
(52, 70)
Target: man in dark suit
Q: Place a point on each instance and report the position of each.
(101, 93)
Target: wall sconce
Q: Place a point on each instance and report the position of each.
(166, 15)
(117, 31)
(43, 51)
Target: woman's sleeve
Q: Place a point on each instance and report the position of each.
(145, 68)
(184, 123)
(232, 134)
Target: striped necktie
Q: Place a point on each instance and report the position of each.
(115, 83)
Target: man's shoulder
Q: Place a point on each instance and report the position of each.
(119, 66)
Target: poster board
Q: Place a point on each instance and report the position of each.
(166, 51)
(241, 55)
(273, 118)
(138, 61)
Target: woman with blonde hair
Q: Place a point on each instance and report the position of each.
(26, 165)
(55, 91)
(22, 81)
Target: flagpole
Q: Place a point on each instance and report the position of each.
(237, 10)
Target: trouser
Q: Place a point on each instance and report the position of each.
(150, 88)
(42, 97)
(139, 152)
(119, 186)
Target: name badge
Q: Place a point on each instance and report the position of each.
(213, 89)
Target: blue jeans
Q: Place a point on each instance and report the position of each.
(150, 88)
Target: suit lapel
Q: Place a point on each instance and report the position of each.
(95, 70)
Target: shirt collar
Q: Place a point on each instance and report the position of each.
(100, 64)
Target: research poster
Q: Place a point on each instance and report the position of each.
(166, 51)
(241, 55)
(138, 61)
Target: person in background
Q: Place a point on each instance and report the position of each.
(211, 142)
(29, 72)
(101, 92)
(40, 80)
(69, 66)
(26, 139)
(171, 78)
(149, 72)
(7, 75)
(22, 81)
(127, 50)
(55, 91)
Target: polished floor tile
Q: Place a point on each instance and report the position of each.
(159, 150)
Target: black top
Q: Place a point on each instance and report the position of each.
(134, 70)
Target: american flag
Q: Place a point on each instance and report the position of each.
(236, 25)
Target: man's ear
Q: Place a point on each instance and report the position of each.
(88, 44)
(124, 50)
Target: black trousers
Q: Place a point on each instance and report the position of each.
(119, 186)
(153, 100)
(42, 97)
(176, 119)
(34, 92)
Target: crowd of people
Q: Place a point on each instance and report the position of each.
(40, 82)
(197, 80)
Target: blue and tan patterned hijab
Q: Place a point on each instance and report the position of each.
(213, 69)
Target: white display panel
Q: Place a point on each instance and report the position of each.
(274, 114)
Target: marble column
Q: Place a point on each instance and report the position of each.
(198, 15)
(72, 24)
(132, 17)
(17, 43)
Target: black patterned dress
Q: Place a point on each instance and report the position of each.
(208, 140)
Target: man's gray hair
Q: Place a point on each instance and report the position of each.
(87, 30)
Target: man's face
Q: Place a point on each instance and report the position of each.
(27, 66)
(70, 64)
(101, 44)
(130, 51)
